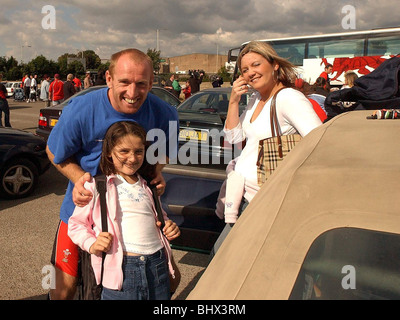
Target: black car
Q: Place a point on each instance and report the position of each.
(23, 159)
(201, 121)
(49, 116)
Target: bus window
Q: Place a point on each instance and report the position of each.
(383, 46)
(307, 52)
(292, 52)
(336, 48)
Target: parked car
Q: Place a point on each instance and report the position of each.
(193, 184)
(48, 117)
(201, 121)
(23, 159)
(325, 225)
(165, 95)
(189, 200)
(11, 86)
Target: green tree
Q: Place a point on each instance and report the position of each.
(155, 57)
(93, 61)
(62, 62)
(41, 66)
(3, 66)
(15, 73)
(76, 68)
(11, 63)
(224, 74)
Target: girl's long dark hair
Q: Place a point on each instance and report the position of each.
(114, 133)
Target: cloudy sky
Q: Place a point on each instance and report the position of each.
(184, 27)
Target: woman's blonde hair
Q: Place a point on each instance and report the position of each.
(286, 74)
(351, 77)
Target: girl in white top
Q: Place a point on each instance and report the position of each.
(263, 71)
(139, 256)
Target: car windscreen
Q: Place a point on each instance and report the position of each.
(211, 102)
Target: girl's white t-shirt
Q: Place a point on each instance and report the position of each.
(295, 114)
(138, 225)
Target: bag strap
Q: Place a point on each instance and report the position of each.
(101, 186)
(275, 124)
(274, 129)
(274, 117)
(156, 200)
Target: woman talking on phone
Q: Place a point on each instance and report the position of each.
(266, 73)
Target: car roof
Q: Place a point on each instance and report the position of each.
(343, 174)
(218, 89)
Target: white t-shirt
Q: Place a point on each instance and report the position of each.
(138, 224)
(295, 114)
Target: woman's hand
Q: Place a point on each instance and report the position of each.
(239, 87)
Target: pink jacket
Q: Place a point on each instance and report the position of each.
(82, 234)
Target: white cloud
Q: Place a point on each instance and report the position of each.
(184, 27)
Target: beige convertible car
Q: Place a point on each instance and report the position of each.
(326, 225)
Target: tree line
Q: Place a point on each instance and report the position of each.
(14, 70)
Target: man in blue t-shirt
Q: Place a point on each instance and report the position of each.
(75, 144)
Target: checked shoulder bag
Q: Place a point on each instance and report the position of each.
(271, 151)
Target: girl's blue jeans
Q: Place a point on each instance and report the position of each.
(146, 277)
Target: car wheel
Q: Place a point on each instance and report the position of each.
(18, 179)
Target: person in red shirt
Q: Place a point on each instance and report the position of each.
(4, 108)
(186, 90)
(305, 87)
(56, 90)
(325, 74)
(77, 83)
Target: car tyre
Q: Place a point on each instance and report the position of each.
(18, 178)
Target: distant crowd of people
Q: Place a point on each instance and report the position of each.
(50, 92)
(56, 91)
(191, 86)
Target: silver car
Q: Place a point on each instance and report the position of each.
(11, 86)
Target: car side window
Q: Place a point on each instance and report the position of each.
(201, 103)
(350, 263)
(164, 96)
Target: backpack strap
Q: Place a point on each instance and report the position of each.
(101, 186)
(156, 200)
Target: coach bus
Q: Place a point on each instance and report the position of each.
(359, 51)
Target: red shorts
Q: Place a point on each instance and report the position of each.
(65, 254)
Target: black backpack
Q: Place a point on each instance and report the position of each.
(88, 289)
(376, 90)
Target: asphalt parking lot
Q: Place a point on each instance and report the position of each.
(28, 227)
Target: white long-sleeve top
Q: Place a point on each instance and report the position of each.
(295, 114)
